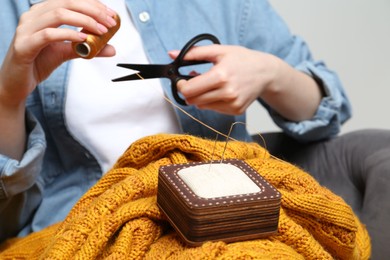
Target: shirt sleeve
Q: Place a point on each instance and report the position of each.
(273, 36)
(20, 187)
(333, 110)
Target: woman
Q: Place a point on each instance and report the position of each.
(63, 125)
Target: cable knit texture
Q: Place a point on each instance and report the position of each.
(118, 218)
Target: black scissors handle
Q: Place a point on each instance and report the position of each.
(180, 62)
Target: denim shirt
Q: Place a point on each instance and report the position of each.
(56, 170)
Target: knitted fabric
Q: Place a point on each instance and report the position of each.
(118, 218)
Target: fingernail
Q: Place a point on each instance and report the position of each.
(111, 21)
(110, 11)
(102, 28)
(83, 36)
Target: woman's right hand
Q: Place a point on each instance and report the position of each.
(40, 44)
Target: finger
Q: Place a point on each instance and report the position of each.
(107, 51)
(212, 101)
(90, 14)
(60, 17)
(212, 96)
(222, 107)
(208, 52)
(204, 99)
(93, 8)
(42, 38)
(203, 83)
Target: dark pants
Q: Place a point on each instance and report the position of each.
(356, 166)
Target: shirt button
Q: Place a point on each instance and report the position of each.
(144, 17)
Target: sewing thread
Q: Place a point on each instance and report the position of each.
(228, 137)
(95, 43)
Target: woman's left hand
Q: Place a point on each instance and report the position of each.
(239, 76)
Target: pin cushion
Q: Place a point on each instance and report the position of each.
(219, 200)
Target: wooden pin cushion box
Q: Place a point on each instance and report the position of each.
(210, 201)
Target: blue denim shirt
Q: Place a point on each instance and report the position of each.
(56, 170)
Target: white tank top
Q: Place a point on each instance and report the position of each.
(106, 117)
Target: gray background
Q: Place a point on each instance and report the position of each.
(353, 38)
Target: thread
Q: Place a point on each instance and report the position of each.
(228, 137)
(95, 43)
(212, 154)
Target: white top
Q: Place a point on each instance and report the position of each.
(105, 116)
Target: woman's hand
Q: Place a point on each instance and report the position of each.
(40, 44)
(240, 76)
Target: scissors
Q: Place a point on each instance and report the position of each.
(171, 70)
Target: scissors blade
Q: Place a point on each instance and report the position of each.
(145, 71)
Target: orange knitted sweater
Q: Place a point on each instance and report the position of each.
(118, 218)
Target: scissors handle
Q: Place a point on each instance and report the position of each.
(180, 62)
(193, 41)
